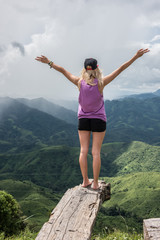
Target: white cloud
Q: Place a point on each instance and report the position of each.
(155, 38)
(156, 73)
(67, 32)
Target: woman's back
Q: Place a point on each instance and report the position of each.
(91, 103)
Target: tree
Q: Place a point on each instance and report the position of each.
(10, 214)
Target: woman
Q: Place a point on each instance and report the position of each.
(91, 112)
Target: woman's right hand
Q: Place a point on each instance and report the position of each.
(42, 59)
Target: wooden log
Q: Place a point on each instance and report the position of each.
(151, 229)
(75, 214)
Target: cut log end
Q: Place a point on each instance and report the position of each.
(151, 229)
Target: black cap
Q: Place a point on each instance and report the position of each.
(90, 62)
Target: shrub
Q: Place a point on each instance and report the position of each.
(10, 215)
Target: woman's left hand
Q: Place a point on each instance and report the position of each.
(141, 51)
(42, 59)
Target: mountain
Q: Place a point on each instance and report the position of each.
(134, 197)
(55, 110)
(125, 158)
(128, 120)
(57, 167)
(25, 128)
(157, 93)
(145, 95)
(37, 148)
(133, 170)
(69, 104)
(133, 119)
(143, 189)
(54, 167)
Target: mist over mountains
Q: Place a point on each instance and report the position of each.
(25, 128)
(51, 108)
(145, 95)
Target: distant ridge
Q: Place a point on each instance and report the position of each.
(133, 119)
(144, 95)
(53, 109)
(128, 119)
(26, 128)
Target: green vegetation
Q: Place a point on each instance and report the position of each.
(57, 167)
(25, 235)
(32, 200)
(134, 197)
(57, 111)
(54, 167)
(39, 162)
(114, 217)
(10, 215)
(138, 192)
(117, 235)
(123, 158)
(132, 119)
(24, 129)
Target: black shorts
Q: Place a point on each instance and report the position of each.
(91, 124)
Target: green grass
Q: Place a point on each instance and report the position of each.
(36, 202)
(26, 235)
(123, 158)
(54, 167)
(117, 235)
(134, 197)
(57, 167)
(137, 192)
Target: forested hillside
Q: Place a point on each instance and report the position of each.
(23, 128)
(55, 110)
(132, 119)
(39, 158)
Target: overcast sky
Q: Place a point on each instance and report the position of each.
(67, 32)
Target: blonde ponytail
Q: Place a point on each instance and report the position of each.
(90, 75)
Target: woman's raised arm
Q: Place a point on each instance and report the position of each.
(107, 79)
(68, 75)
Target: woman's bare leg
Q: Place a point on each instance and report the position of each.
(96, 149)
(84, 137)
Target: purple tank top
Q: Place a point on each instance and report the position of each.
(91, 102)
